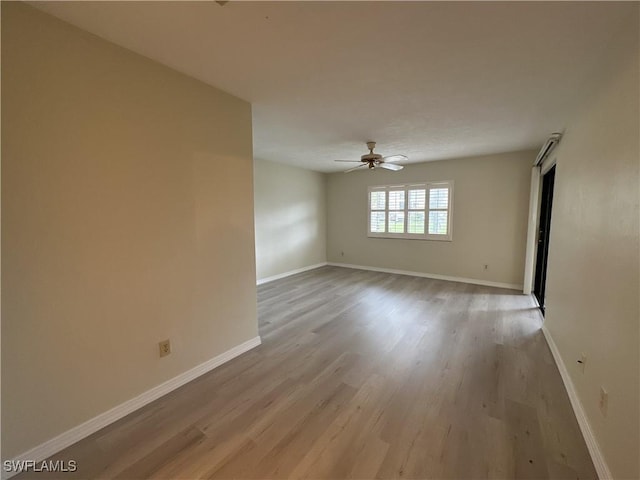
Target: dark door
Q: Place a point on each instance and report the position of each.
(543, 236)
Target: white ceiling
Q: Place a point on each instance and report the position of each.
(431, 80)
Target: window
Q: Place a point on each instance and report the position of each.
(421, 211)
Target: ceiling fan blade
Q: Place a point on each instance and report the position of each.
(390, 166)
(355, 168)
(350, 161)
(395, 158)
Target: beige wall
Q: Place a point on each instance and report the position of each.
(290, 218)
(593, 288)
(491, 198)
(127, 218)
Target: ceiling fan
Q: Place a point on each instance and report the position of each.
(375, 160)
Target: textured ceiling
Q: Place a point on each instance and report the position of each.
(431, 80)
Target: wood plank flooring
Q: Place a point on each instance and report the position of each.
(361, 375)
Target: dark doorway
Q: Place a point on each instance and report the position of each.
(543, 236)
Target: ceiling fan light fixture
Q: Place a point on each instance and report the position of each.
(373, 160)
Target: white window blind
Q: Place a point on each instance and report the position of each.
(420, 211)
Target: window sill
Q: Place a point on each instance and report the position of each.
(404, 236)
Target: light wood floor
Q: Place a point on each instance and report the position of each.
(362, 375)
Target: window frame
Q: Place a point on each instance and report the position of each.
(406, 187)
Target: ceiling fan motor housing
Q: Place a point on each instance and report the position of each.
(371, 158)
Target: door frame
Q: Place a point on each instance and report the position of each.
(544, 235)
(535, 200)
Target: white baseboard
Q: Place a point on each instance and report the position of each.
(474, 281)
(599, 462)
(289, 273)
(62, 441)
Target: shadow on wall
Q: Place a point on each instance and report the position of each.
(296, 227)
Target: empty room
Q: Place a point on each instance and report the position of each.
(320, 239)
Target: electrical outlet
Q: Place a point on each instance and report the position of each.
(485, 266)
(342, 254)
(583, 362)
(604, 401)
(165, 348)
